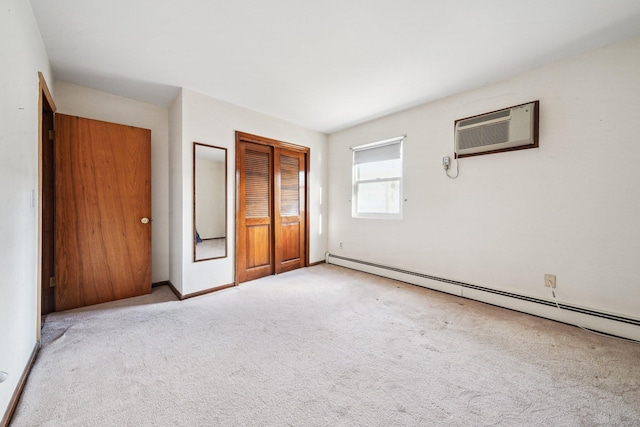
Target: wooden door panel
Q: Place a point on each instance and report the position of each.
(258, 253)
(103, 190)
(257, 183)
(291, 242)
(289, 173)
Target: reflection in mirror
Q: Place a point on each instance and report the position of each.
(209, 202)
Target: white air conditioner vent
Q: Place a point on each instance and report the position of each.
(509, 129)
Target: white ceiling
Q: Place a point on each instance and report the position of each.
(323, 64)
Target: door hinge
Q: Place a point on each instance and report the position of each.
(52, 135)
(52, 282)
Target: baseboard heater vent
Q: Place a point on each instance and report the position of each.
(627, 320)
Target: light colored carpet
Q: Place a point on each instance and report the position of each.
(324, 346)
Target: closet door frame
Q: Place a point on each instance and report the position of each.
(242, 137)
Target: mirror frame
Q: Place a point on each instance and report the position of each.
(226, 201)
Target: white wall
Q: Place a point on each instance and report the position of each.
(93, 104)
(215, 122)
(23, 55)
(175, 192)
(569, 208)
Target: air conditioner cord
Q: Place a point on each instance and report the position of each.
(446, 170)
(553, 292)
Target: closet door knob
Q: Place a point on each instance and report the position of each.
(145, 220)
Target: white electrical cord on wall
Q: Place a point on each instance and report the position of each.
(553, 292)
(446, 163)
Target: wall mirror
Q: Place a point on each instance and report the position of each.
(209, 202)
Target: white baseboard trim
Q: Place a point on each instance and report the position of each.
(595, 320)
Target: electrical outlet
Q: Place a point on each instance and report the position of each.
(550, 280)
(340, 245)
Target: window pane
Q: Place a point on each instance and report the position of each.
(378, 197)
(385, 169)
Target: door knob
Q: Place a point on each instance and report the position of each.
(145, 220)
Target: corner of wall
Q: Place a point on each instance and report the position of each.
(175, 191)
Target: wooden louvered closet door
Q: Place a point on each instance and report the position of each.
(271, 208)
(255, 197)
(289, 207)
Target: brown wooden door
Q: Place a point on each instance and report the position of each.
(103, 210)
(290, 185)
(255, 208)
(271, 231)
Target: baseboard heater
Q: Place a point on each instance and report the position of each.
(463, 285)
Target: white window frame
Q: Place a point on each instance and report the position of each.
(355, 182)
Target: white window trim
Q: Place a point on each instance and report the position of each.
(400, 179)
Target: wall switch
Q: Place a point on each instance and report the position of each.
(550, 280)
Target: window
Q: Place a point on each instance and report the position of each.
(377, 180)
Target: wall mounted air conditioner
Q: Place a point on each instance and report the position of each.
(513, 128)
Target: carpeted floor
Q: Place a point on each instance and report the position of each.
(324, 346)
